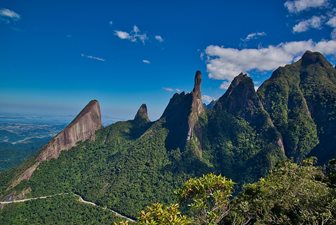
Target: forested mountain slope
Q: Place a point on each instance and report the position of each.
(131, 164)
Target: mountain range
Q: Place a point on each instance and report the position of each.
(242, 135)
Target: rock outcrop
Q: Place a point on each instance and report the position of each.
(316, 58)
(240, 96)
(82, 128)
(182, 114)
(242, 100)
(197, 107)
(142, 114)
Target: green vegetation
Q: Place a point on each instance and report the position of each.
(206, 198)
(159, 214)
(63, 209)
(289, 194)
(133, 164)
(238, 138)
(126, 176)
(301, 99)
(12, 155)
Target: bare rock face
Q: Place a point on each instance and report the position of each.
(197, 107)
(142, 114)
(197, 84)
(82, 128)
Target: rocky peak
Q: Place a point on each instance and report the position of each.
(181, 115)
(240, 96)
(242, 100)
(197, 107)
(82, 128)
(197, 84)
(310, 57)
(142, 114)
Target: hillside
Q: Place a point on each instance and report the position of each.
(301, 100)
(131, 164)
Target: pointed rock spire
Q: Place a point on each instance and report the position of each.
(142, 114)
(197, 84)
(197, 106)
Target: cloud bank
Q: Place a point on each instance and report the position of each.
(226, 63)
(296, 6)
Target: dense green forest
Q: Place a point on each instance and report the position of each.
(289, 194)
(12, 155)
(63, 209)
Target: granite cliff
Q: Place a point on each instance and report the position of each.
(82, 128)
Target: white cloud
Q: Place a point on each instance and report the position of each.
(169, 89)
(122, 34)
(159, 38)
(332, 22)
(145, 61)
(134, 35)
(226, 84)
(226, 63)
(207, 99)
(295, 6)
(255, 35)
(93, 57)
(314, 22)
(9, 14)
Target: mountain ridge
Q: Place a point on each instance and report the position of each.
(291, 96)
(243, 136)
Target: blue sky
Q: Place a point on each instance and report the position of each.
(55, 56)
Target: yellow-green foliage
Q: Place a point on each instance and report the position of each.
(206, 198)
(290, 194)
(158, 214)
